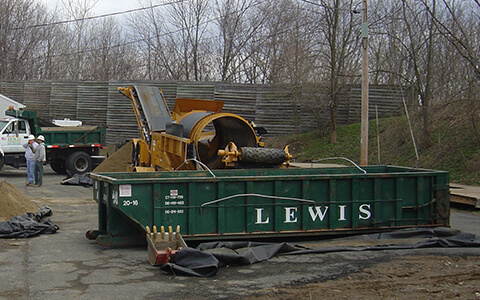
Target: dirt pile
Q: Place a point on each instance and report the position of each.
(407, 277)
(117, 162)
(13, 202)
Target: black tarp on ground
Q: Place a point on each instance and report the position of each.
(28, 225)
(193, 262)
(207, 258)
(78, 179)
(412, 238)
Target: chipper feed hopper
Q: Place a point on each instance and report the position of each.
(196, 135)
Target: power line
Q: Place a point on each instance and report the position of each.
(263, 39)
(97, 17)
(143, 39)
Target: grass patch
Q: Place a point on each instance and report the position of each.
(454, 147)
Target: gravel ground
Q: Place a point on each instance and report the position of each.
(67, 265)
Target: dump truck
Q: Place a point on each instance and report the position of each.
(197, 134)
(70, 150)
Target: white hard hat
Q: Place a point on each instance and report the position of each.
(31, 137)
(41, 137)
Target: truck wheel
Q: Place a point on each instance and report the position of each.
(58, 167)
(78, 162)
(1, 162)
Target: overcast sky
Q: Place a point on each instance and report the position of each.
(102, 7)
(109, 6)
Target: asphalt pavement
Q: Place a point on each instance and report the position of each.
(66, 265)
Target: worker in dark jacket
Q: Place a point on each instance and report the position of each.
(40, 158)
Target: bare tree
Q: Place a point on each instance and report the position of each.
(80, 36)
(459, 24)
(156, 53)
(384, 55)
(54, 53)
(461, 28)
(266, 50)
(189, 19)
(172, 40)
(238, 23)
(109, 55)
(20, 38)
(409, 53)
(338, 54)
(418, 44)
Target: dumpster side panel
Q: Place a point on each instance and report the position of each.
(342, 214)
(232, 212)
(246, 203)
(441, 194)
(169, 205)
(133, 200)
(287, 212)
(260, 210)
(316, 216)
(387, 204)
(206, 221)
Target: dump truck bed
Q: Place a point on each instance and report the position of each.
(84, 135)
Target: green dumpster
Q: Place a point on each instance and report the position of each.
(266, 203)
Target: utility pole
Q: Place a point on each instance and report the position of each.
(364, 122)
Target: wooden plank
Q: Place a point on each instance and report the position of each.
(465, 194)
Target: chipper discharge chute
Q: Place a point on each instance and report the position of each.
(195, 135)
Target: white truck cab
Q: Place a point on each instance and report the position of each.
(13, 134)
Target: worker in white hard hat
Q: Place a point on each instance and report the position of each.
(29, 157)
(40, 158)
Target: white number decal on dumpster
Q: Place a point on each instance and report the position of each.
(173, 196)
(173, 211)
(174, 203)
(130, 202)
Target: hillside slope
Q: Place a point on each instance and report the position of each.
(454, 145)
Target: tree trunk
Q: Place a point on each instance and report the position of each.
(333, 119)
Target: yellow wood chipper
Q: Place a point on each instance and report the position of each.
(195, 135)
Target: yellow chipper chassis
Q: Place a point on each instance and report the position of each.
(195, 135)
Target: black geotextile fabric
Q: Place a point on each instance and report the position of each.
(440, 237)
(207, 258)
(78, 179)
(28, 225)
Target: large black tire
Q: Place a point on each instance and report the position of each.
(1, 162)
(78, 163)
(263, 156)
(58, 166)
